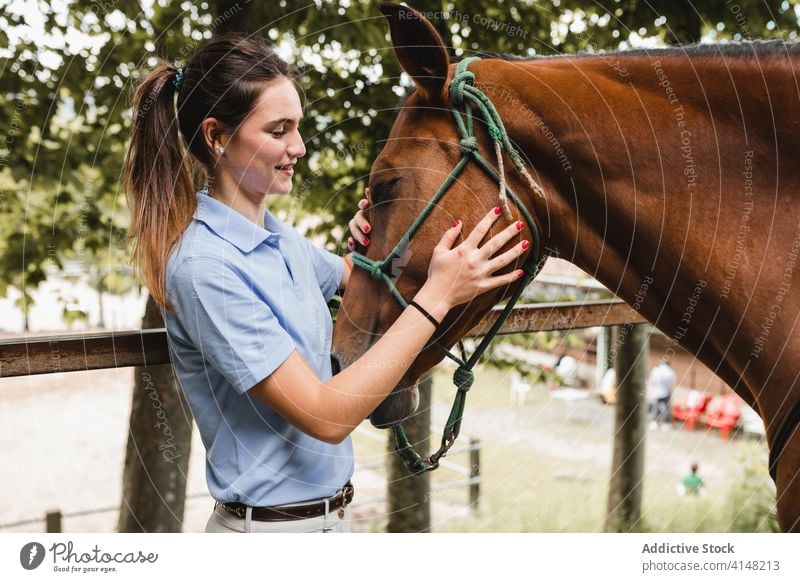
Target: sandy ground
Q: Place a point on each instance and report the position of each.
(62, 446)
(63, 436)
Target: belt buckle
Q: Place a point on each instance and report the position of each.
(239, 511)
(345, 490)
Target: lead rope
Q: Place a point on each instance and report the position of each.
(463, 92)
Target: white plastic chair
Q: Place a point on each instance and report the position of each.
(519, 388)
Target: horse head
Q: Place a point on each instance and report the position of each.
(422, 151)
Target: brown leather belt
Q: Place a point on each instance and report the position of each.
(294, 511)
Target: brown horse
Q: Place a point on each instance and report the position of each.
(675, 167)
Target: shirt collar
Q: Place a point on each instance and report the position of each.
(230, 225)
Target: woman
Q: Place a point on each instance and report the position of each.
(244, 295)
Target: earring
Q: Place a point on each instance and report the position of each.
(220, 150)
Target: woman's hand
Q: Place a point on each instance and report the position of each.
(456, 275)
(359, 227)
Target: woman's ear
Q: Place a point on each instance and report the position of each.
(210, 129)
(419, 49)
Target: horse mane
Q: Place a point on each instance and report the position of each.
(744, 49)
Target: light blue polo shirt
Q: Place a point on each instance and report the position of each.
(245, 297)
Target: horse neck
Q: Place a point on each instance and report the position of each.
(646, 189)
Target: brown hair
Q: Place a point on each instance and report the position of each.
(222, 80)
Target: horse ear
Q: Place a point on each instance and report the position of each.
(419, 49)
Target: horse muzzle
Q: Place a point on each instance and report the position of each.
(401, 403)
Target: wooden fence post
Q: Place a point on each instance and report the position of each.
(627, 467)
(53, 521)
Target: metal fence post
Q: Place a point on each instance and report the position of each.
(474, 473)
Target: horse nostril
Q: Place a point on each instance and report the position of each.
(336, 365)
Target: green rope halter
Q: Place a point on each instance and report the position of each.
(463, 93)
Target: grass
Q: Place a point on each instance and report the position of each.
(545, 467)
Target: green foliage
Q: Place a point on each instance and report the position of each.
(65, 109)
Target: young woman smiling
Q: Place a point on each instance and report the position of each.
(244, 295)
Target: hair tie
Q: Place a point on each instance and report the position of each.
(178, 79)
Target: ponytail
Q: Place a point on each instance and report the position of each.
(158, 180)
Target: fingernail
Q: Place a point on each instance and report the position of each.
(519, 225)
(525, 244)
(497, 210)
(367, 229)
(350, 242)
(366, 241)
(520, 273)
(455, 224)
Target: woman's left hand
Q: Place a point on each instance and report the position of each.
(359, 227)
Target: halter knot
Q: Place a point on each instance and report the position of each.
(375, 270)
(457, 86)
(463, 379)
(469, 145)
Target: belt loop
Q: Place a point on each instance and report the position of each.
(248, 518)
(326, 527)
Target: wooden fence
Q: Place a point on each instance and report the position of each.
(50, 354)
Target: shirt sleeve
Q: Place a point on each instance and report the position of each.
(328, 267)
(234, 330)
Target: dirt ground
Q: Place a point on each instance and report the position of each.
(62, 442)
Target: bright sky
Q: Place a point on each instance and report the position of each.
(53, 45)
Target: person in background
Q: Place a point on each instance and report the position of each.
(608, 386)
(692, 483)
(565, 367)
(660, 384)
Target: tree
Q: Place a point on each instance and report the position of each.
(65, 107)
(409, 496)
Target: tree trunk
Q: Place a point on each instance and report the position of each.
(96, 281)
(409, 497)
(159, 442)
(25, 323)
(102, 323)
(625, 491)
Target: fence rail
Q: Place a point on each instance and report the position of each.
(95, 351)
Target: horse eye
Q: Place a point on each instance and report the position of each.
(381, 189)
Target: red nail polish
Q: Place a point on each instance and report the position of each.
(497, 210)
(367, 229)
(455, 224)
(519, 225)
(366, 241)
(525, 244)
(520, 273)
